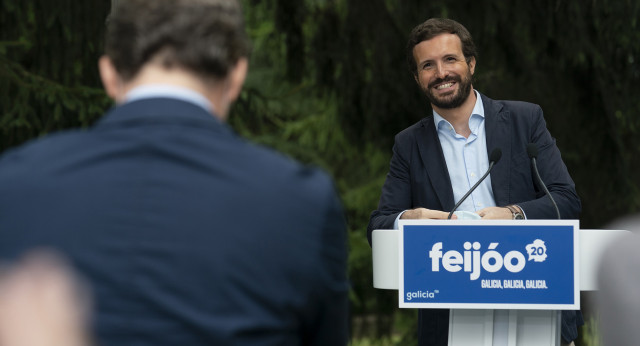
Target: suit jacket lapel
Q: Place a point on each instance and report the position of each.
(434, 162)
(497, 127)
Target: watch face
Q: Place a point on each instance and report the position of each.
(519, 216)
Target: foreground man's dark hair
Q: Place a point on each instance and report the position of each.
(206, 37)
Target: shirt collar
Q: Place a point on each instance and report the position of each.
(168, 91)
(476, 118)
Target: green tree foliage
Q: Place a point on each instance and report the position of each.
(48, 59)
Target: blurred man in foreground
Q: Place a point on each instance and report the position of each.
(437, 160)
(618, 298)
(42, 303)
(188, 234)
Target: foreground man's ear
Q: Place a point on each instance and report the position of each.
(110, 78)
(236, 79)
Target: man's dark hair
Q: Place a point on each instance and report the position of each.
(438, 26)
(206, 37)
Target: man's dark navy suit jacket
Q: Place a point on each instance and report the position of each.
(418, 177)
(188, 234)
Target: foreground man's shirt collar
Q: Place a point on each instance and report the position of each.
(168, 91)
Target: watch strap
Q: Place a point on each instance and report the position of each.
(515, 214)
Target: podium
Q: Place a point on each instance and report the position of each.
(504, 326)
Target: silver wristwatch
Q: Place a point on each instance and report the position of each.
(515, 213)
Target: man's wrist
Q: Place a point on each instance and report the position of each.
(395, 223)
(516, 212)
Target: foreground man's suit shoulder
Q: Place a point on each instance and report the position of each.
(188, 234)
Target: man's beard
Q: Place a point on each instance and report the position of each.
(450, 101)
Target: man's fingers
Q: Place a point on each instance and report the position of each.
(495, 213)
(437, 214)
(425, 214)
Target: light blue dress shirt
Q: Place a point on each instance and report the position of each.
(168, 91)
(467, 160)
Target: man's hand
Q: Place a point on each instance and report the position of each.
(496, 213)
(423, 213)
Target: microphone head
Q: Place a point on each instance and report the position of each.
(495, 156)
(532, 150)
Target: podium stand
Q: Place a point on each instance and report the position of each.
(497, 327)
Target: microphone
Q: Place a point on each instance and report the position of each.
(532, 150)
(495, 156)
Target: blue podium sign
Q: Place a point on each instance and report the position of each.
(502, 264)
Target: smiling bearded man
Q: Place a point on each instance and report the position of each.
(438, 159)
(442, 91)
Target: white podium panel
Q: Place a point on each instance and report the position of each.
(504, 327)
(497, 327)
(384, 246)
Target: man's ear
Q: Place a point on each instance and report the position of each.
(110, 78)
(236, 79)
(472, 65)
